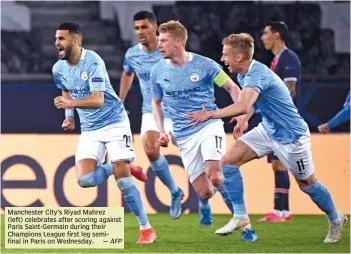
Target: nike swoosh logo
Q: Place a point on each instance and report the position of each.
(219, 152)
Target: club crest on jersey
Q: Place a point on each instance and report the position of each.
(194, 77)
(84, 75)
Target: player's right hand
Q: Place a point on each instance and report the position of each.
(68, 124)
(163, 140)
(323, 128)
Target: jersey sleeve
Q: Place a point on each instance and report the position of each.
(254, 79)
(213, 69)
(156, 88)
(291, 69)
(96, 75)
(58, 77)
(127, 67)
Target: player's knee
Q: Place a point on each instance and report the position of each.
(152, 152)
(278, 166)
(217, 180)
(86, 181)
(206, 194)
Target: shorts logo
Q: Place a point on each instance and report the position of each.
(84, 75)
(194, 77)
(97, 80)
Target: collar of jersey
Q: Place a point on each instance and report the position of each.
(252, 62)
(82, 56)
(190, 58)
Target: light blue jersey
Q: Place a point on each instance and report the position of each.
(141, 62)
(81, 80)
(280, 117)
(185, 89)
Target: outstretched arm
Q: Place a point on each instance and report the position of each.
(247, 98)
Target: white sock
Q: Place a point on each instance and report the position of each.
(277, 212)
(146, 226)
(286, 213)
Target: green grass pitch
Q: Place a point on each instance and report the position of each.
(304, 235)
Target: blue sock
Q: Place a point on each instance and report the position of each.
(234, 186)
(133, 199)
(322, 198)
(161, 168)
(225, 197)
(204, 203)
(96, 177)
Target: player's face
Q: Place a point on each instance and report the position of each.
(167, 45)
(64, 44)
(145, 31)
(230, 58)
(268, 38)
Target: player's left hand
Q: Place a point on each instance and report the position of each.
(63, 102)
(323, 128)
(197, 117)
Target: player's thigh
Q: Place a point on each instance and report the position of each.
(297, 157)
(193, 161)
(119, 143)
(90, 152)
(213, 147)
(253, 144)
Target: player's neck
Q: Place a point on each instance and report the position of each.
(245, 66)
(180, 59)
(152, 45)
(75, 56)
(278, 47)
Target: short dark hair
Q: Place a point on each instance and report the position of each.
(72, 27)
(145, 15)
(279, 27)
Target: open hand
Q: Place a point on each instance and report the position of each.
(197, 117)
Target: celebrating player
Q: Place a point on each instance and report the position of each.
(282, 132)
(81, 75)
(185, 81)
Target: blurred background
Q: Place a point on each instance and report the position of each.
(319, 34)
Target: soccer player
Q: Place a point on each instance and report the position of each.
(282, 131)
(81, 75)
(287, 66)
(339, 118)
(139, 59)
(185, 81)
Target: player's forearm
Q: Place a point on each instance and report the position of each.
(70, 111)
(91, 101)
(292, 87)
(341, 117)
(126, 83)
(236, 109)
(158, 113)
(248, 115)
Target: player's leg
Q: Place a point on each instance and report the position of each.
(213, 147)
(252, 145)
(121, 154)
(159, 163)
(89, 159)
(298, 158)
(281, 211)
